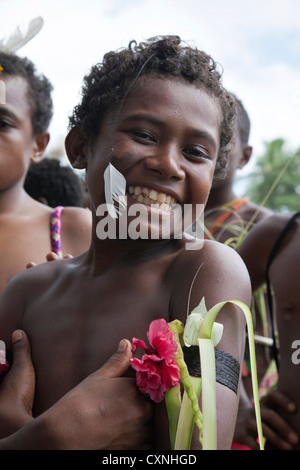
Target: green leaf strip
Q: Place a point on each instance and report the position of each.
(205, 332)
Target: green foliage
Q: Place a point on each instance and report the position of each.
(277, 178)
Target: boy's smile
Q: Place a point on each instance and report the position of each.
(147, 196)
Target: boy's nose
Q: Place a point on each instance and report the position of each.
(167, 163)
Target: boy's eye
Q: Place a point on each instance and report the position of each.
(144, 135)
(196, 153)
(4, 124)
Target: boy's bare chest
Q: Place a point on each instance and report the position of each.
(74, 334)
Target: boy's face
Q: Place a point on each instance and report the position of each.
(17, 143)
(166, 140)
(238, 157)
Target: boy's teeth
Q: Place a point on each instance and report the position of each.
(162, 197)
(151, 196)
(137, 190)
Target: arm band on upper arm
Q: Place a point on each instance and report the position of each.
(227, 367)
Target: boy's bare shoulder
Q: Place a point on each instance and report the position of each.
(210, 254)
(215, 272)
(22, 289)
(251, 212)
(76, 230)
(262, 237)
(31, 280)
(73, 215)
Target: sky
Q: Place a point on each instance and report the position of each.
(256, 42)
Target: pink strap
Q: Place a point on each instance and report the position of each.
(55, 228)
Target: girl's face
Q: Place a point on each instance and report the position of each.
(17, 142)
(165, 143)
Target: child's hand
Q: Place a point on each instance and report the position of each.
(17, 387)
(50, 257)
(276, 431)
(105, 411)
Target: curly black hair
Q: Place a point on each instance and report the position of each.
(109, 82)
(39, 89)
(243, 120)
(59, 185)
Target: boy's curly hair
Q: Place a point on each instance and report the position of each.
(39, 89)
(108, 83)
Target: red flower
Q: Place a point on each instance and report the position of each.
(158, 370)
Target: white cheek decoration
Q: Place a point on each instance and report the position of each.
(114, 190)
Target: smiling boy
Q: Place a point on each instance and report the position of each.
(159, 114)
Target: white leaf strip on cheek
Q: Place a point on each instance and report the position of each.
(114, 190)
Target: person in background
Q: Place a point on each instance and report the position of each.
(54, 184)
(271, 252)
(29, 230)
(227, 216)
(228, 219)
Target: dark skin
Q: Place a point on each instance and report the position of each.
(25, 233)
(166, 138)
(279, 407)
(128, 427)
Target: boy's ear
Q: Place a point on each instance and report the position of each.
(247, 153)
(76, 149)
(40, 143)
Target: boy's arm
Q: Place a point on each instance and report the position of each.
(11, 308)
(222, 277)
(11, 313)
(17, 388)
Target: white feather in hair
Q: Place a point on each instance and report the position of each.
(21, 36)
(114, 190)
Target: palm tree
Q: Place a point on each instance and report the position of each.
(277, 178)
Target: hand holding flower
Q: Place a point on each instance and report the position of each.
(157, 371)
